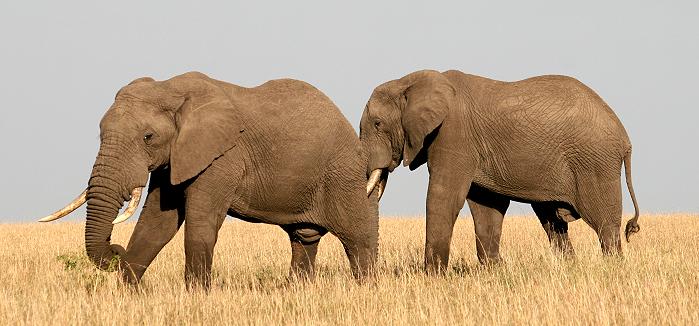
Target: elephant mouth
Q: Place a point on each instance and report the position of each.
(136, 194)
(394, 164)
(377, 181)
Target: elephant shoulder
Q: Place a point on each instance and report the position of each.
(194, 74)
(553, 79)
(293, 94)
(288, 85)
(474, 85)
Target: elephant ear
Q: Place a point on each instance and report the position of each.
(427, 104)
(207, 129)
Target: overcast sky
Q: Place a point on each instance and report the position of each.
(61, 63)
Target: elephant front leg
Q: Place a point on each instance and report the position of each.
(304, 246)
(159, 221)
(202, 223)
(446, 195)
(488, 210)
(208, 198)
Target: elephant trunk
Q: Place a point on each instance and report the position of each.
(103, 204)
(106, 193)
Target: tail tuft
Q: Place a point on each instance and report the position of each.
(632, 225)
(631, 228)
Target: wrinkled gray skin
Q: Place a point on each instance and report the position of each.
(549, 141)
(280, 153)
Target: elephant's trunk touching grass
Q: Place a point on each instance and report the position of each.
(105, 195)
(112, 182)
(103, 204)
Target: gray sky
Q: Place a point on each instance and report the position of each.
(61, 63)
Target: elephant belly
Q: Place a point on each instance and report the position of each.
(287, 199)
(253, 215)
(529, 183)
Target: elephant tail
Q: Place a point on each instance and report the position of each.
(632, 225)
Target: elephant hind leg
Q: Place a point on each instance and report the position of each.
(600, 206)
(554, 219)
(362, 256)
(357, 228)
(360, 241)
(304, 246)
(607, 224)
(345, 211)
(488, 210)
(610, 239)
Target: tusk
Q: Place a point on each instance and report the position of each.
(381, 187)
(373, 179)
(133, 204)
(77, 202)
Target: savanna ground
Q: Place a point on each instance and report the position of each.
(45, 278)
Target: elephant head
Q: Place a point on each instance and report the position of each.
(398, 121)
(179, 125)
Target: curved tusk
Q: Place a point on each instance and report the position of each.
(373, 179)
(381, 187)
(133, 204)
(77, 202)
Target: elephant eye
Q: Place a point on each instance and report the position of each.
(147, 138)
(377, 123)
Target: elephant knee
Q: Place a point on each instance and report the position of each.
(199, 245)
(565, 215)
(307, 235)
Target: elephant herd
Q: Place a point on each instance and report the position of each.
(282, 153)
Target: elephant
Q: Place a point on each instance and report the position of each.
(280, 153)
(549, 141)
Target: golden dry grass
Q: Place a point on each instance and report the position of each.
(46, 279)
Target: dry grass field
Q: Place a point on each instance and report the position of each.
(45, 278)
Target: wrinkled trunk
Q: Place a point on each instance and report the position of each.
(377, 157)
(108, 188)
(103, 205)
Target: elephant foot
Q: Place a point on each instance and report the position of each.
(490, 260)
(560, 243)
(128, 275)
(196, 283)
(436, 256)
(435, 266)
(564, 249)
(362, 263)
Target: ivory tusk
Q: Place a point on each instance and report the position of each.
(373, 179)
(77, 202)
(381, 187)
(133, 204)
